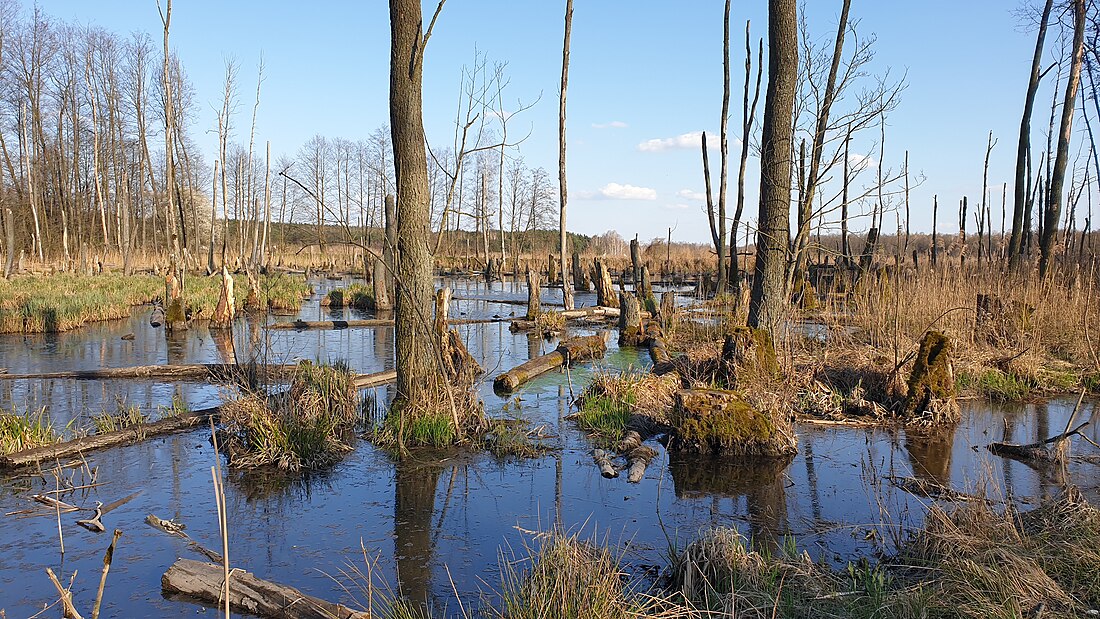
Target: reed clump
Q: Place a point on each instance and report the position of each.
(125, 416)
(277, 292)
(356, 296)
(567, 579)
(26, 430)
(306, 427)
(615, 400)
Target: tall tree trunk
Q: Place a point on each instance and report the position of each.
(1023, 178)
(1058, 176)
(169, 134)
(416, 380)
(566, 291)
(769, 294)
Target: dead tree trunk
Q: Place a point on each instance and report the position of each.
(534, 290)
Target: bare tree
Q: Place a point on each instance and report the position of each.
(566, 290)
(1023, 150)
(1053, 212)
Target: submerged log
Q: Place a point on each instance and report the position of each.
(367, 381)
(219, 372)
(569, 351)
(110, 439)
(639, 458)
(249, 594)
(369, 322)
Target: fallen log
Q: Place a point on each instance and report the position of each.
(1039, 452)
(193, 371)
(570, 350)
(110, 439)
(366, 381)
(369, 322)
(639, 459)
(603, 462)
(504, 301)
(249, 594)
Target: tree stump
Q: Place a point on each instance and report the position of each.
(534, 290)
(175, 313)
(747, 355)
(226, 309)
(720, 421)
(252, 301)
(646, 295)
(605, 288)
(581, 282)
(552, 270)
(636, 264)
(668, 311)
(630, 320)
(932, 382)
(381, 294)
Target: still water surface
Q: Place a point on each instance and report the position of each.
(440, 513)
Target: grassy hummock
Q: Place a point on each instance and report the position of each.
(307, 427)
(356, 296)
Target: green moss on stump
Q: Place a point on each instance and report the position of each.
(721, 421)
(932, 382)
(749, 354)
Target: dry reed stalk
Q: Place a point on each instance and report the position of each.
(107, 558)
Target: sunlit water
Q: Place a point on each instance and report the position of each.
(439, 518)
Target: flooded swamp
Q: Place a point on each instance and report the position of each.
(439, 523)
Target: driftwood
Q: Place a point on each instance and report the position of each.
(639, 459)
(249, 594)
(366, 381)
(110, 439)
(369, 322)
(1039, 452)
(603, 462)
(504, 301)
(94, 524)
(176, 529)
(573, 349)
(193, 371)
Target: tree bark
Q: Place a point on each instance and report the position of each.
(769, 295)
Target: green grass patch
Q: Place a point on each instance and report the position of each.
(277, 292)
(605, 416)
(356, 296)
(26, 430)
(996, 385)
(126, 416)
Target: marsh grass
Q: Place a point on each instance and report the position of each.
(614, 400)
(307, 427)
(26, 430)
(277, 292)
(54, 303)
(357, 296)
(125, 416)
(566, 578)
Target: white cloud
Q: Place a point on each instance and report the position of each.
(688, 194)
(615, 124)
(677, 206)
(615, 191)
(681, 142)
(858, 162)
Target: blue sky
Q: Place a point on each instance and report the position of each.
(640, 70)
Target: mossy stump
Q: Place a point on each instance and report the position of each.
(749, 354)
(722, 422)
(805, 295)
(932, 391)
